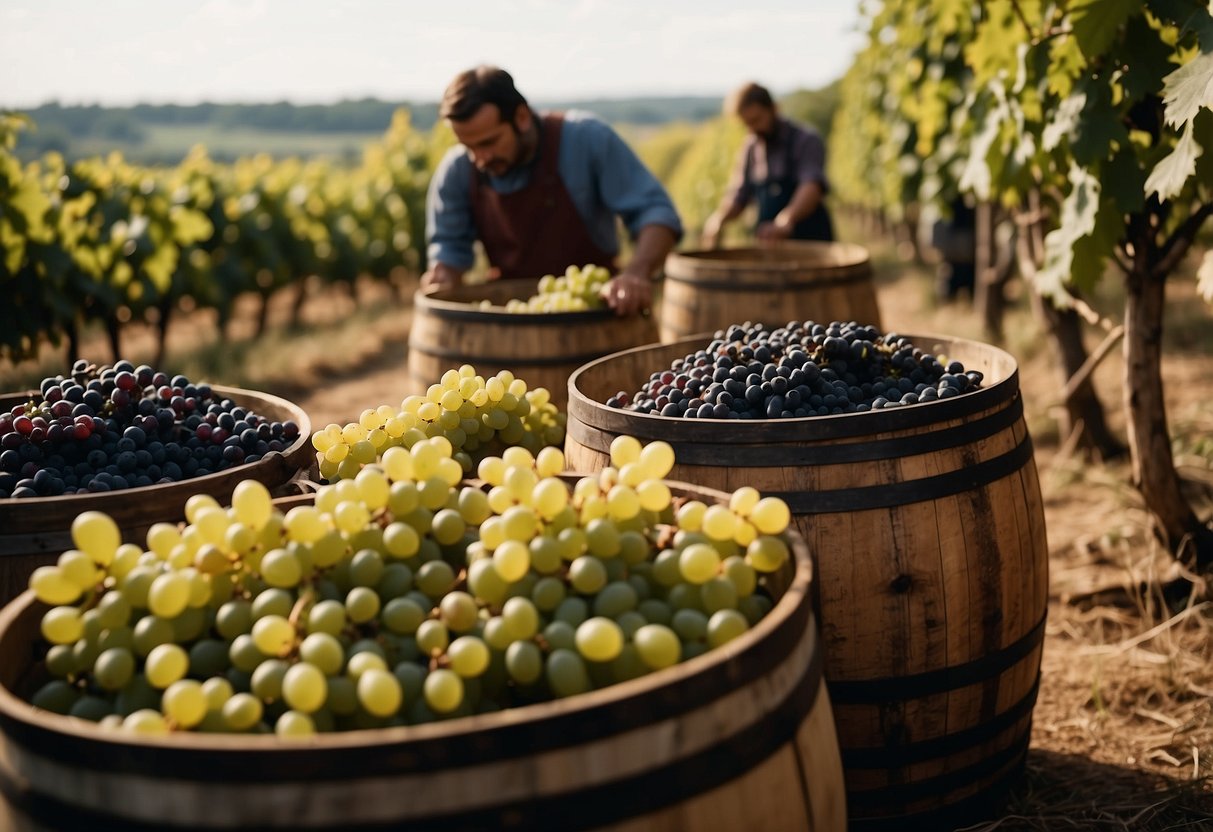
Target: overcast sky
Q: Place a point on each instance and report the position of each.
(122, 52)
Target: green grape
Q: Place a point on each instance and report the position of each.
(599, 639)
(469, 656)
(242, 711)
(587, 575)
(151, 631)
(363, 661)
(566, 673)
(521, 618)
(718, 594)
(691, 625)
(184, 703)
(657, 645)
(724, 626)
(147, 722)
(401, 540)
(79, 569)
(411, 677)
(432, 637)
(512, 560)
(217, 691)
(165, 664)
(767, 554)
(770, 515)
(524, 662)
(754, 607)
(52, 587)
(327, 617)
(114, 668)
(92, 708)
(741, 574)
(323, 651)
(273, 601)
(560, 634)
(615, 599)
(61, 658)
(209, 657)
(281, 568)
(273, 635)
(602, 538)
(362, 604)
(97, 535)
(434, 578)
(699, 563)
(294, 725)
(244, 653)
(548, 593)
(458, 611)
(304, 687)
(486, 583)
(402, 615)
(62, 625)
(251, 504)
(56, 696)
(366, 568)
(266, 682)
(443, 690)
(572, 611)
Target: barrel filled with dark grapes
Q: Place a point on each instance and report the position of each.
(738, 736)
(907, 464)
(133, 449)
(706, 290)
(477, 325)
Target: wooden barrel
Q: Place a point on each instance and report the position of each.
(741, 737)
(927, 527)
(708, 290)
(543, 348)
(34, 531)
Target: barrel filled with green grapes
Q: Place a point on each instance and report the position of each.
(539, 329)
(408, 650)
(908, 468)
(708, 289)
(135, 443)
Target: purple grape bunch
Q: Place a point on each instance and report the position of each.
(798, 370)
(110, 428)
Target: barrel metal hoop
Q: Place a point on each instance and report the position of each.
(890, 795)
(895, 756)
(942, 680)
(501, 360)
(788, 455)
(889, 495)
(500, 318)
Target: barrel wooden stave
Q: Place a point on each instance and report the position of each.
(959, 587)
(688, 748)
(34, 531)
(708, 290)
(542, 348)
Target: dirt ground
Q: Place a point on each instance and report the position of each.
(1123, 728)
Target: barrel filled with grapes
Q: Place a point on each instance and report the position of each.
(135, 443)
(541, 330)
(706, 290)
(406, 650)
(907, 464)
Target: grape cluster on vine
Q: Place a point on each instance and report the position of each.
(402, 596)
(797, 370)
(104, 428)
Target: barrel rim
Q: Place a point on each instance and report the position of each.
(803, 428)
(291, 455)
(797, 599)
(805, 254)
(440, 307)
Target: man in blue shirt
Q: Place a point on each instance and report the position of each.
(781, 168)
(541, 193)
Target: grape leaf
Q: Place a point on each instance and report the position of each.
(1172, 172)
(1064, 122)
(1079, 211)
(1096, 23)
(1153, 59)
(1204, 277)
(1100, 127)
(1066, 63)
(1124, 181)
(1188, 89)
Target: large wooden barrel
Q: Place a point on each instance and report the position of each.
(741, 737)
(543, 348)
(708, 290)
(927, 527)
(34, 531)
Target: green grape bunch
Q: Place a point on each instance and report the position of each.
(402, 596)
(477, 416)
(577, 290)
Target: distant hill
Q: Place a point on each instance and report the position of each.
(162, 133)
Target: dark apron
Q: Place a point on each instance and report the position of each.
(536, 230)
(774, 194)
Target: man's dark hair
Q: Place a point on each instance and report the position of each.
(474, 88)
(746, 95)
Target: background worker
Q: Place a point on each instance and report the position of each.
(541, 192)
(781, 167)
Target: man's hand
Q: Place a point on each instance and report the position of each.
(440, 276)
(628, 293)
(773, 231)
